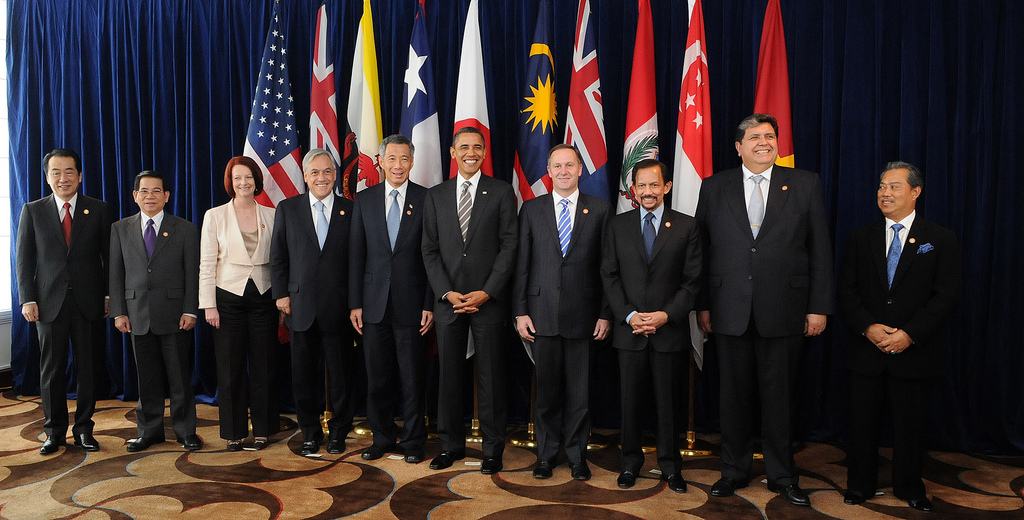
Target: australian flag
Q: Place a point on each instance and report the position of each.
(538, 114)
(419, 113)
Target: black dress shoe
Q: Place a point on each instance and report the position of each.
(580, 471)
(921, 504)
(491, 465)
(259, 444)
(726, 487)
(543, 469)
(626, 480)
(446, 459)
(336, 446)
(191, 442)
(791, 493)
(376, 451)
(853, 498)
(87, 442)
(142, 443)
(310, 447)
(414, 455)
(51, 444)
(676, 483)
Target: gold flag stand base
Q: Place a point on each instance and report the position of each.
(474, 434)
(597, 442)
(323, 421)
(648, 444)
(695, 447)
(362, 429)
(525, 438)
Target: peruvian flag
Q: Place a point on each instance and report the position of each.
(693, 138)
(471, 93)
(641, 112)
(771, 96)
(364, 101)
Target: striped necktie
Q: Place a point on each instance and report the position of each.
(465, 208)
(564, 227)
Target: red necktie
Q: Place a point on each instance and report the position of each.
(66, 223)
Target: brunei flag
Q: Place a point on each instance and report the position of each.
(772, 91)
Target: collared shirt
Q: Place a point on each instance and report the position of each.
(60, 206)
(328, 208)
(907, 222)
(402, 190)
(748, 184)
(658, 212)
(475, 183)
(573, 198)
(157, 220)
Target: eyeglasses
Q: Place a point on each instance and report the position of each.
(155, 191)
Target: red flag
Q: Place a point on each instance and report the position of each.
(471, 93)
(642, 112)
(772, 91)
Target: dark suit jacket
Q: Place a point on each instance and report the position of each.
(46, 265)
(924, 292)
(562, 295)
(784, 274)
(485, 260)
(154, 292)
(375, 271)
(316, 281)
(669, 282)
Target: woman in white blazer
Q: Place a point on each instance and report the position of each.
(234, 291)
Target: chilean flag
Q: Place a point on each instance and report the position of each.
(419, 113)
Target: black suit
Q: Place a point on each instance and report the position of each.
(483, 261)
(154, 293)
(316, 281)
(668, 282)
(391, 288)
(924, 292)
(563, 297)
(759, 292)
(68, 283)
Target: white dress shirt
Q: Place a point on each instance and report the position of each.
(907, 222)
(573, 198)
(748, 184)
(328, 208)
(402, 190)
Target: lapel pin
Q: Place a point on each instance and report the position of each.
(410, 206)
(85, 211)
(585, 211)
(264, 226)
(912, 240)
(408, 212)
(484, 192)
(342, 212)
(784, 188)
(668, 224)
(165, 233)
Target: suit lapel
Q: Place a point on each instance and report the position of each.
(735, 199)
(579, 220)
(878, 250)
(52, 218)
(909, 252)
(480, 203)
(638, 233)
(376, 206)
(777, 197)
(306, 219)
(135, 234)
(406, 223)
(548, 223)
(663, 233)
(168, 228)
(335, 223)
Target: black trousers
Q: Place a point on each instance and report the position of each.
(771, 364)
(164, 359)
(563, 396)
(396, 361)
(663, 373)
(84, 335)
(245, 347)
(908, 400)
(337, 351)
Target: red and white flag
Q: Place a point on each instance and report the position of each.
(693, 137)
(323, 110)
(364, 101)
(641, 112)
(471, 93)
(771, 94)
(584, 124)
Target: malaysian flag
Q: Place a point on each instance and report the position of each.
(538, 115)
(419, 113)
(273, 141)
(584, 123)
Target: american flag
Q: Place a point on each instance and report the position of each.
(273, 141)
(585, 120)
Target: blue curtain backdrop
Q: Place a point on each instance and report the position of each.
(168, 84)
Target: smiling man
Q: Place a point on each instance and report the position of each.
(768, 284)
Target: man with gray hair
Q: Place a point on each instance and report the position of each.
(392, 304)
(309, 277)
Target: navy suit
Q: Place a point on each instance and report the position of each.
(391, 288)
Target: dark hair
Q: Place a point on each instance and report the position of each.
(650, 163)
(754, 120)
(398, 139)
(61, 152)
(257, 174)
(153, 174)
(914, 176)
(468, 130)
(564, 146)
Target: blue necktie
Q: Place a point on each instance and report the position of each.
(649, 234)
(149, 237)
(394, 219)
(895, 248)
(321, 223)
(564, 229)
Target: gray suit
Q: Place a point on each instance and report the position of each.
(154, 292)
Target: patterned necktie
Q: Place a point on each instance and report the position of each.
(564, 227)
(321, 223)
(149, 237)
(465, 208)
(394, 218)
(649, 234)
(66, 223)
(895, 248)
(755, 210)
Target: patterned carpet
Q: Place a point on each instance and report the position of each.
(277, 483)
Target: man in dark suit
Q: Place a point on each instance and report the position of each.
(768, 284)
(469, 249)
(154, 296)
(309, 279)
(899, 282)
(651, 268)
(559, 307)
(392, 304)
(62, 282)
